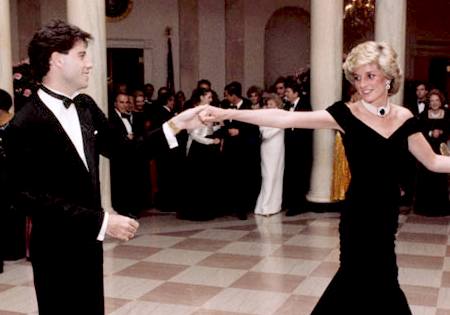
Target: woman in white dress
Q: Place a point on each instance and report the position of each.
(272, 165)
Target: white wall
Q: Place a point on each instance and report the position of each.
(146, 24)
(212, 43)
(53, 9)
(14, 31)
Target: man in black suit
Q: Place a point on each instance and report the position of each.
(420, 103)
(53, 147)
(298, 156)
(5, 219)
(408, 171)
(126, 168)
(241, 156)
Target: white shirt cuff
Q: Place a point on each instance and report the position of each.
(101, 234)
(171, 139)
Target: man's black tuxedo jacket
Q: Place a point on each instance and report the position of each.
(160, 115)
(130, 181)
(298, 162)
(50, 183)
(242, 163)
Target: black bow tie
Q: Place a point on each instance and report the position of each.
(125, 115)
(66, 101)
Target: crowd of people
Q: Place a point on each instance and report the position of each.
(257, 170)
(212, 157)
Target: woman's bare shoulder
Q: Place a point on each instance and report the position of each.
(402, 111)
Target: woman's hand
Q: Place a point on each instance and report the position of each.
(189, 119)
(213, 114)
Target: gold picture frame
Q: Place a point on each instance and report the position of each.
(117, 10)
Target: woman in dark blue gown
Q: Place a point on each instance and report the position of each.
(376, 134)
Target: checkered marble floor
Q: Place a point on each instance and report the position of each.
(264, 266)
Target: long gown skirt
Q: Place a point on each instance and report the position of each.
(272, 168)
(367, 280)
(346, 296)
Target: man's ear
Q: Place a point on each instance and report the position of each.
(56, 59)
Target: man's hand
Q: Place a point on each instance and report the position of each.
(233, 132)
(213, 114)
(121, 227)
(189, 119)
(436, 133)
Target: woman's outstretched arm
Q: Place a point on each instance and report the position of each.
(272, 118)
(423, 152)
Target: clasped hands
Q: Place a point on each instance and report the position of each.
(199, 116)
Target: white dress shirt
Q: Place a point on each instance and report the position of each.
(420, 107)
(126, 122)
(297, 100)
(68, 118)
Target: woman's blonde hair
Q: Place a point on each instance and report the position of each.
(379, 53)
(274, 97)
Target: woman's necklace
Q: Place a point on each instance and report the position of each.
(380, 111)
(437, 114)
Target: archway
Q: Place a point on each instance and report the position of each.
(286, 43)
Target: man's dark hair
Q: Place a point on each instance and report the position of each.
(203, 81)
(294, 86)
(56, 36)
(197, 93)
(5, 100)
(234, 88)
(149, 85)
(424, 83)
(280, 80)
(164, 98)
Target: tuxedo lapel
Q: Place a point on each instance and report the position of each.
(57, 129)
(88, 133)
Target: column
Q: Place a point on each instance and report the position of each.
(211, 42)
(89, 15)
(390, 27)
(326, 86)
(234, 41)
(189, 52)
(5, 48)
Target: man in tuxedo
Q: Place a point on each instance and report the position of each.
(280, 89)
(298, 156)
(241, 156)
(126, 167)
(168, 166)
(408, 170)
(5, 220)
(420, 104)
(53, 148)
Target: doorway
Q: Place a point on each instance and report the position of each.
(439, 74)
(125, 65)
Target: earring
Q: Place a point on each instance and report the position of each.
(388, 85)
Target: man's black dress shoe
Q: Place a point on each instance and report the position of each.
(293, 212)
